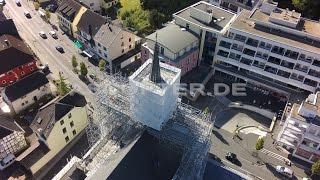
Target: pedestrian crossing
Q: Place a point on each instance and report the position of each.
(274, 155)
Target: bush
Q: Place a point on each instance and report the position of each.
(315, 168)
(36, 5)
(259, 144)
(102, 65)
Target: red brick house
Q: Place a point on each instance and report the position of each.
(16, 60)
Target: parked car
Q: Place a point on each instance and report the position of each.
(45, 69)
(7, 161)
(60, 49)
(43, 35)
(284, 171)
(92, 87)
(231, 157)
(53, 34)
(18, 3)
(27, 14)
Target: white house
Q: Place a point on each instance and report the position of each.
(24, 93)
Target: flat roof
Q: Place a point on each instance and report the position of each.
(173, 37)
(217, 13)
(246, 22)
(168, 74)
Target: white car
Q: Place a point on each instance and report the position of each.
(43, 34)
(53, 34)
(284, 171)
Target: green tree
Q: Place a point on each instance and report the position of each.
(47, 14)
(62, 86)
(259, 144)
(206, 110)
(83, 69)
(302, 5)
(74, 62)
(102, 65)
(36, 5)
(315, 168)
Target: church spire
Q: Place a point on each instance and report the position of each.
(155, 71)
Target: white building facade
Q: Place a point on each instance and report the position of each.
(269, 46)
(301, 130)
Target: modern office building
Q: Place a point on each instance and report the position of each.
(273, 47)
(301, 130)
(235, 6)
(206, 21)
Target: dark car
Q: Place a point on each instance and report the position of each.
(231, 157)
(60, 49)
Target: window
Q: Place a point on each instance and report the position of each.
(187, 26)
(162, 50)
(122, 44)
(64, 130)
(129, 39)
(99, 44)
(122, 51)
(130, 46)
(61, 122)
(31, 69)
(66, 138)
(69, 115)
(22, 73)
(104, 48)
(71, 124)
(74, 132)
(4, 81)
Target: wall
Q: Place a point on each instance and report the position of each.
(56, 139)
(28, 99)
(13, 143)
(17, 73)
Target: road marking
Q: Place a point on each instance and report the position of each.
(274, 155)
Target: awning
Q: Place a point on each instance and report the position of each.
(78, 44)
(88, 54)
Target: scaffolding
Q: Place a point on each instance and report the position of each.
(188, 128)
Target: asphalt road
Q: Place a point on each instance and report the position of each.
(45, 48)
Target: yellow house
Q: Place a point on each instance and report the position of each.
(69, 13)
(58, 125)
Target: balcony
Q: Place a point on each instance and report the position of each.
(310, 82)
(316, 63)
(301, 68)
(264, 46)
(249, 52)
(237, 47)
(271, 69)
(283, 74)
(225, 44)
(297, 77)
(235, 56)
(314, 73)
(262, 56)
(223, 53)
(278, 50)
(252, 42)
(258, 64)
(303, 57)
(240, 38)
(291, 54)
(274, 60)
(246, 61)
(287, 64)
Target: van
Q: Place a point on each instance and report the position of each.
(7, 161)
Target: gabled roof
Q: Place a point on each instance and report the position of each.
(13, 53)
(91, 22)
(69, 9)
(173, 37)
(25, 86)
(108, 34)
(49, 114)
(8, 126)
(8, 27)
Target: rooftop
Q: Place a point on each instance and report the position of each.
(281, 26)
(52, 112)
(13, 53)
(69, 9)
(91, 22)
(206, 15)
(25, 85)
(168, 73)
(173, 37)
(8, 126)
(245, 4)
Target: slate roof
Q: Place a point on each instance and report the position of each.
(48, 115)
(8, 27)
(25, 86)
(69, 9)
(108, 34)
(8, 126)
(91, 21)
(13, 53)
(173, 38)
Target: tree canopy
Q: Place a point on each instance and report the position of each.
(315, 168)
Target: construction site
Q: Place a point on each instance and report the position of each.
(124, 145)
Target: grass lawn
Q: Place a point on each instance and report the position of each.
(130, 4)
